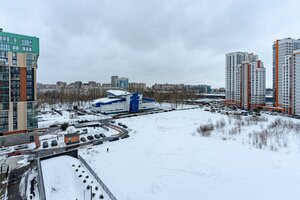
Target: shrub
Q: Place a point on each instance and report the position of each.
(64, 126)
(206, 129)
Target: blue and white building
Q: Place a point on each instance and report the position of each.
(118, 101)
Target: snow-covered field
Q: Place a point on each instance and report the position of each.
(63, 182)
(170, 106)
(167, 158)
(50, 118)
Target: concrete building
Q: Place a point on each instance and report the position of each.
(114, 81)
(137, 86)
(245, 80)
(118, 101)
(282, 51)
(123, 83)
(250, 80)
(18, 100)
(294, 107)
(232, 60)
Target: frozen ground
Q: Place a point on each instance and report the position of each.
(170, 106)
(51, 117)
(62, 181)
(166, 158)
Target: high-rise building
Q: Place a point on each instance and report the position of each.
(232, 61)
(294, 87)
(114, 81)
(245, 80)
(122, 83)
(18, 99)
(282, 51)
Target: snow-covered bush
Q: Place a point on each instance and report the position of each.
(206, 129)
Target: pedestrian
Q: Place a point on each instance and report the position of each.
(107, 150)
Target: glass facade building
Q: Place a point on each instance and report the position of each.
(18, 63)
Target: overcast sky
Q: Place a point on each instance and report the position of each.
(155, 41)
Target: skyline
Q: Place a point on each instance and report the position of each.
(149, 41)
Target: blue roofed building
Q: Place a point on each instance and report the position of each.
(119, 101)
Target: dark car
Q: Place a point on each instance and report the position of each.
(102, 135)
(113, 139)
(124, 126)
(125, 136)
(112, 122)
(120, 124)
(97, 136)
(82, 139)
(45, 144)
(98, 142)
(54, 143)
(90, 137)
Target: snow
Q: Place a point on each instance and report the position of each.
(166, 158)
(106, 100)
(61, 181)
(52, 117)
(170, 106)
(118, 92)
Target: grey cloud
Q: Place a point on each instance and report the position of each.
(153, 41)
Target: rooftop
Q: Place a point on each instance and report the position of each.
(117, 92)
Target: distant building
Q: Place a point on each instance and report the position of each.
(114, 81)
(245, 80)
(137, 86)
(168, 87)
(118, 101)
(123, 83)
(18, 97)
(200, 89)
(77, 84)
(60, 85)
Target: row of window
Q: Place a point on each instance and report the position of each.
(4, 38)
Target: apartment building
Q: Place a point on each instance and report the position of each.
(18, 101)
(232, 60)
(245, 80)
(282, 52)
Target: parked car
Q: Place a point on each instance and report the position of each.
(45, 144)
(98, 142)
(54, 143)
(90, 137)
(102, 135)
(120, 124)
(97, 136)
(113, 139)
(20, 147)
(82, 139)
(84, 131)
(112, 122)
(124, 126)
(125, 136)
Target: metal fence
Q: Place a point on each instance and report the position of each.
(105, 188)
(40, 181)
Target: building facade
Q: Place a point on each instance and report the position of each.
(232, 60)
(245, 80)
(18, 100)
(123, 83)
(294, 106)
(114, 81)
(282, 51)
(118, 101)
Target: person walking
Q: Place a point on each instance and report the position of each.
(107, 150)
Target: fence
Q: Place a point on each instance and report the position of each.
(40, 181)
(105, 188)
